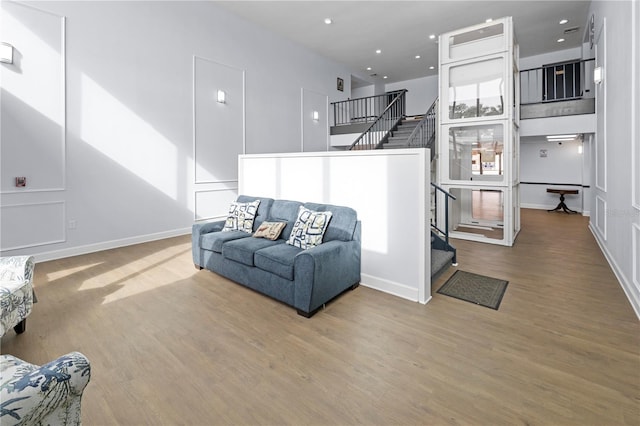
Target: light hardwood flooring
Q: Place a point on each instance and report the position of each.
(172, 345)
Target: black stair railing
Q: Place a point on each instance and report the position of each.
(380, 129)
(424, 135)
(448, 197)
(556, 82)
(360, 110)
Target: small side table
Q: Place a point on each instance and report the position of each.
(562, 205)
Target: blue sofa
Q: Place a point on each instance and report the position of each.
(303, 278)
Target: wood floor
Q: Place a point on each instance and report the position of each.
(172, 345)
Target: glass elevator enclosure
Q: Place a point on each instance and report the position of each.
(479, 137)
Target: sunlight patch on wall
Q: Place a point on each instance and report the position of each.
(123, 136)
(31, 52)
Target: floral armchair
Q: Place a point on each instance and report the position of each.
(46, 395)
(16, 292)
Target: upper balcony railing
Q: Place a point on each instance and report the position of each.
(363, 110)
(557, 82)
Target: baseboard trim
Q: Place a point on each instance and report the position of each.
(107, 245)
(629, 289)
(390, 287)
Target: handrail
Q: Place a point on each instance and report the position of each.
(425, 132)
(379, 130)
(434, 220)
(556, 82)
(360, 110)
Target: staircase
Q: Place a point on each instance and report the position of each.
(441, 256)
(400, 137)
(393, 130)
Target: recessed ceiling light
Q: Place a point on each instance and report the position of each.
(560, 40)
(368, 68)
(378, 51)
(432, 36)
(384, 76)
(417, 56)
(432, 67)
(328, 21)
(563, 21)
(489, 20)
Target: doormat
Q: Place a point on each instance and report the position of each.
(474, 288)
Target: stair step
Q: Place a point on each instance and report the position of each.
(440, 261)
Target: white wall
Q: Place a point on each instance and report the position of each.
(421, 92)
(129, 163)
(550, 165)
(615, 221)
(396, 256)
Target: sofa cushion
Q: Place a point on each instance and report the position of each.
(309, 228)
(343, 222)
(284, 211)
(270, 230)
(243, 250)
(277, 259)
(263, 208)
(213, 241)
(241, 216)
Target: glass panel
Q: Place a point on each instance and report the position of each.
(476, 153)
(488, 39)
(478, 211)
(476, 90)
(477, 34)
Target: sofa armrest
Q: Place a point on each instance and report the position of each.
(50, 394)
(198, 230)
(17, 268)
(325, 271)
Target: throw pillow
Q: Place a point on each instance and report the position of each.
(241, 216)
(309, 228)
(270, 230)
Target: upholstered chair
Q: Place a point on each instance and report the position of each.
(16, 292)
(46, 395)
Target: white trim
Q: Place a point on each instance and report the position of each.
(601, 213)
(193, 112)
(63, 85)
(195, 202)
(635, 254)
(601, 137)
(107, 245)
(635, 105)
(41, 243)
(633, 295)
(390, 287)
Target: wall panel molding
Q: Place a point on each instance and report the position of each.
(601, 111)
(219, 129)
(36, 98)
(45, 222)
(213, 203)
(601, 217)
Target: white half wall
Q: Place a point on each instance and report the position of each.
(388, 189)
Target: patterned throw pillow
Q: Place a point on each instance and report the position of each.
(309, 228)
(241, 216)
(270, 230)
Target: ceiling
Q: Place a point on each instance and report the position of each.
(401, 29)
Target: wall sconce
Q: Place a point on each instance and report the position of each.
(315, 115)
(221, 97)
(6, 53)
(580, 149)
(598, 75)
